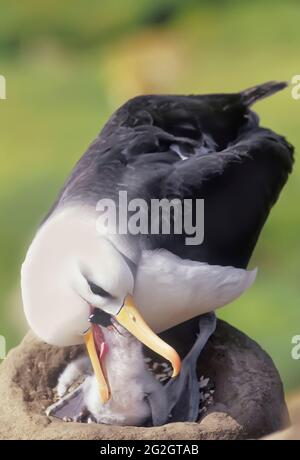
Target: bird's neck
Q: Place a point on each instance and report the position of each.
(124, 361)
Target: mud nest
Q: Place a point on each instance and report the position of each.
(248, 399)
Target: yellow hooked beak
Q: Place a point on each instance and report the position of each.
(130, 318)
(104, 390)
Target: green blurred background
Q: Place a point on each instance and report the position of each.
(69, 64)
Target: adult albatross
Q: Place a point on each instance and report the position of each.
(80, 278)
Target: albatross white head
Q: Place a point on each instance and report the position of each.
(71, 274)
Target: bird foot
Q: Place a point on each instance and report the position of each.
(70, 408)
(183, 391)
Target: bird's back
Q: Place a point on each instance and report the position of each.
(190, 147)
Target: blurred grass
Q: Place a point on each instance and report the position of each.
(68, 67)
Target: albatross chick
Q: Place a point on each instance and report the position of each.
(135, 391)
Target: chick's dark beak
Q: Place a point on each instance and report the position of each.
(100, 317)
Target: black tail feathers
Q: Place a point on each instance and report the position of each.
(255, 93)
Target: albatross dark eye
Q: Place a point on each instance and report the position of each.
(97, 290)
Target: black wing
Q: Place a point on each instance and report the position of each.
(239, 185)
